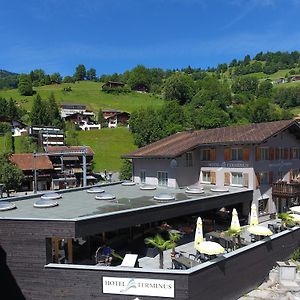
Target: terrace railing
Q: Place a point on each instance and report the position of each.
(284, 189)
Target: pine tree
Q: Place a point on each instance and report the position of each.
(53, 112)
(25, 85)
(37, 111)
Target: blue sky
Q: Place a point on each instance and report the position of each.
(115, 35)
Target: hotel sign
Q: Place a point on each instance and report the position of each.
(239, 164)
(138, 286)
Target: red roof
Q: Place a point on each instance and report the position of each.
(182, 142)
(53, 149)
(26, 162)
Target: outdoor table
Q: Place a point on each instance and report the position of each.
(186, 262)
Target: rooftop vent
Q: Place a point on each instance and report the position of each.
(128, 182)
(105, 196)
(6, 205)
(95, 190)
(219, 189)
(51, 196)
(194, 190)
(147, 187)
(45, 203)
(164, 197)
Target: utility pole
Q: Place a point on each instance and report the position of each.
(34, 173)
(84, 165)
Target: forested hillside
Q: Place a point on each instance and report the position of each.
(262, 88)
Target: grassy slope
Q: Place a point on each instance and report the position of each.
(108, 144)
(89, 93)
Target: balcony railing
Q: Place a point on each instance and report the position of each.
(284, 189)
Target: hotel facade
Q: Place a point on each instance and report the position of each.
(263, 157)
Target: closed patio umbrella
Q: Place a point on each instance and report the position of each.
(235, 223)
(198, 233)
(260, 230)
(253, 215)
(295, 209)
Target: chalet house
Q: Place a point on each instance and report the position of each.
(263, 157)
(141, 88)
(113, 84)
(68, 163)
(17, 127)
(279, 80)
(83, 121)
(116, 118)
(47, 135)
(67, 109)
(28, 163)
(295, 78)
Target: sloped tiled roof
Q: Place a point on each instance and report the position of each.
(53, 149)
(181, 142)
(26, 162)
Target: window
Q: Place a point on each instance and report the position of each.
(189, 159)
(264, 153)
(281, 153)
(237, 154)
(294, 153)
(205, 154)
(264, 178)
(206, 176)
(237, 178)
(143, 176)
(263, 206)
(162, 178)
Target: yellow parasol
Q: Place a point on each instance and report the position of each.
(259, 230)
(210, 248)
(295, 209)
(205, 247)
(253, 215)
(235, 223)
(295, 217)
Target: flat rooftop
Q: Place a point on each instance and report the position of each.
(78, 204)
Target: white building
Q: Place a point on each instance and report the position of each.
(255, 156)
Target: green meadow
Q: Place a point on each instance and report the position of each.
(87, 93)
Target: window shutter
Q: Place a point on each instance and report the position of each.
(213, 155)
(226, 178)
(246, 153)
(276, 153)
(227, 154)
(271, 153)
(245, 179)
(257, 153)
(213, 177)
(270, 177)
(286, 153)
(257, 180)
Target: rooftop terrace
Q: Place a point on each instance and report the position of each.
(77, 204)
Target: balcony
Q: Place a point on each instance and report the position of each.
(284, 189)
